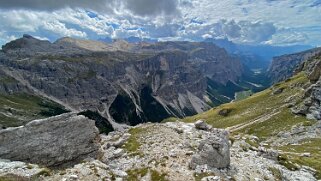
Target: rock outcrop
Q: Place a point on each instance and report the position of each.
(201, 124)
(283, 67)
(311, 105)
(213, 152)
(52, 142)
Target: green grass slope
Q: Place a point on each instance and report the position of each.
(264, 115)
(20, 108)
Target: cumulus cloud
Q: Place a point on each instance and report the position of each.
(50, 5)
(4, 38)
(152, 7)
(25, 21)
(243, 31)
(255, 32)
(61, 29)
(166, 30)
(288, 38)
(250, 22)
(240, 32)
(138, 7)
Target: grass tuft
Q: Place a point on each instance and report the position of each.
(132, 145)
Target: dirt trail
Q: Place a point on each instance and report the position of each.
(257, 120)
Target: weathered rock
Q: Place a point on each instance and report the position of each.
(278, 91)
(311, 106)
(211, 178)
(201, 124)
(314, 70)
(119, 173)
(305, 155)
(121, 141)
(213, 152)
(17, 170)
(53, 141)
(225, 112)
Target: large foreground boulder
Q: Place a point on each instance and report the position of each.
(214, 151)
(51, 142)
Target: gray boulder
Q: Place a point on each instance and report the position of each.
(200, 124)
(51, 142)
(213, 151)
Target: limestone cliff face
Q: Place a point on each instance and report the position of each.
(126, 84)
(283, 67)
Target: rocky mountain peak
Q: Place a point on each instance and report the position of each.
(122, 44)
(27, 43)
(27, 36)
(91, 45)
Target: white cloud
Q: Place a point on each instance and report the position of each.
(288, 38)
(137, 7)
(252, 22)
(61, 29)
(205, 36)
(283, 14)
(40, 38)
(4, 38)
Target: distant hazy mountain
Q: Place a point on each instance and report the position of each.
(131, 39)
(283, 67)
(257, 56)
(106, 40)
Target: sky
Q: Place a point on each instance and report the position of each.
(273, 22)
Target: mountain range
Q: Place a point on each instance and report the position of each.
(156, 111)
(124, 82)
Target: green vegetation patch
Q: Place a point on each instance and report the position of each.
(276, 173)
(132, 145)
(243, 95)
(20, 108)
(11, 177)
(170, 119)
(282, 121)
(7, 80)
(262, 114)
(294, 154)
(156, 176)
(287, 162)
(137, 174)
